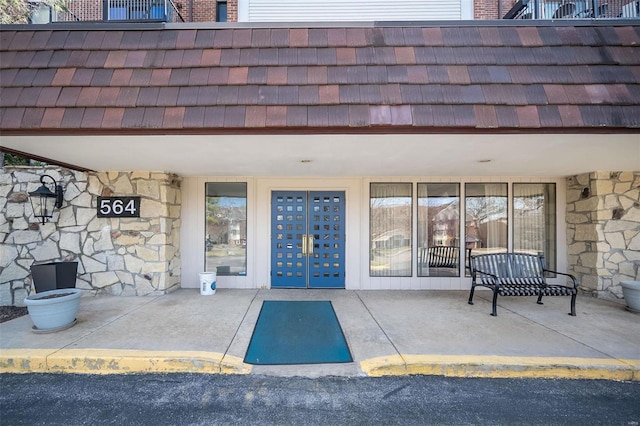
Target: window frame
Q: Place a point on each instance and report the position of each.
(219, 4)
(411, 230)
(420, 279)
(244, 241)
(507, 226)
(462, 256)
(553, 265)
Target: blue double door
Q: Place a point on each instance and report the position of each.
(307, 239)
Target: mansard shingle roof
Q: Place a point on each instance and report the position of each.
(567, 77)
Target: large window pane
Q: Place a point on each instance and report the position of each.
(534, 220)
(390, 219)
(226, 228)
(486, 217)
(438, 229)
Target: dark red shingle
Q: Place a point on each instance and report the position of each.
(92, 118)
(204, 39)
(507, 76)
(52, 118)
(32, 118)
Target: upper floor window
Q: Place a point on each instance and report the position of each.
(221, 11)
(125, 10)
(41, 13)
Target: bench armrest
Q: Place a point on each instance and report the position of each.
(493, 277)
(575, 281)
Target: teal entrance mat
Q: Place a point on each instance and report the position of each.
(295, 332)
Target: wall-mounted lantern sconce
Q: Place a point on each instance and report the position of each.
(43, 200)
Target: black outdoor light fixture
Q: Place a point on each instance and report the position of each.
(44, 201)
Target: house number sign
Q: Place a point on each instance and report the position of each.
(118, 206)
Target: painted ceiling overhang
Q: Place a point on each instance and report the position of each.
(467, 98)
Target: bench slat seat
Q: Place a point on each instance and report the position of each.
(517, 274)
(534, 290)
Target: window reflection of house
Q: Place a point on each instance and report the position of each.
(229, 227)
(392, 239)
(445, 226)
(486, 216)
(481, 234)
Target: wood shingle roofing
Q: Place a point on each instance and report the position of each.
(362, 79)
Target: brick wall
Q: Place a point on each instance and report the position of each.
(202, 11)
(232, 10)
(205, 10)
(86, 10)
(488, 9)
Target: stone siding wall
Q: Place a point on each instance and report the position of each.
(116, 256)
(603, 230)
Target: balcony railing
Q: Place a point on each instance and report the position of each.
(118, 11)
(576, 9)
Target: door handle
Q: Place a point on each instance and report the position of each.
(304, 244)
(310, 242)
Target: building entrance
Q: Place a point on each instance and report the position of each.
(307, 239)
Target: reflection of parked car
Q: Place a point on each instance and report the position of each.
(208, 245)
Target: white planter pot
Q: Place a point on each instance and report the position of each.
(53, 310)
(631, 292)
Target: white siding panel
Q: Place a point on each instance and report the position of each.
(191, 240)
(354, 10)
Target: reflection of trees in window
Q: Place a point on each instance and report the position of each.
(390, 229)
(226, 220)
(486, 217)
(226, 227)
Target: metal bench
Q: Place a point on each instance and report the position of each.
(517, 274)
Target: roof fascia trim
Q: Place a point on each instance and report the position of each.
(120, 26)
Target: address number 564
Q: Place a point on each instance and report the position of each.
(118, 206)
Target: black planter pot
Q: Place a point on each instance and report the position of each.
(54, 275)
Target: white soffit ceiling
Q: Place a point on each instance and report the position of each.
(342, 155)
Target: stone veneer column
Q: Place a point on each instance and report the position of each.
(128, 256)
(603, 230)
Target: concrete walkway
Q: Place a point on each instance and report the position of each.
(388, 332)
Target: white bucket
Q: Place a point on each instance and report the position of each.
(207, 283)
